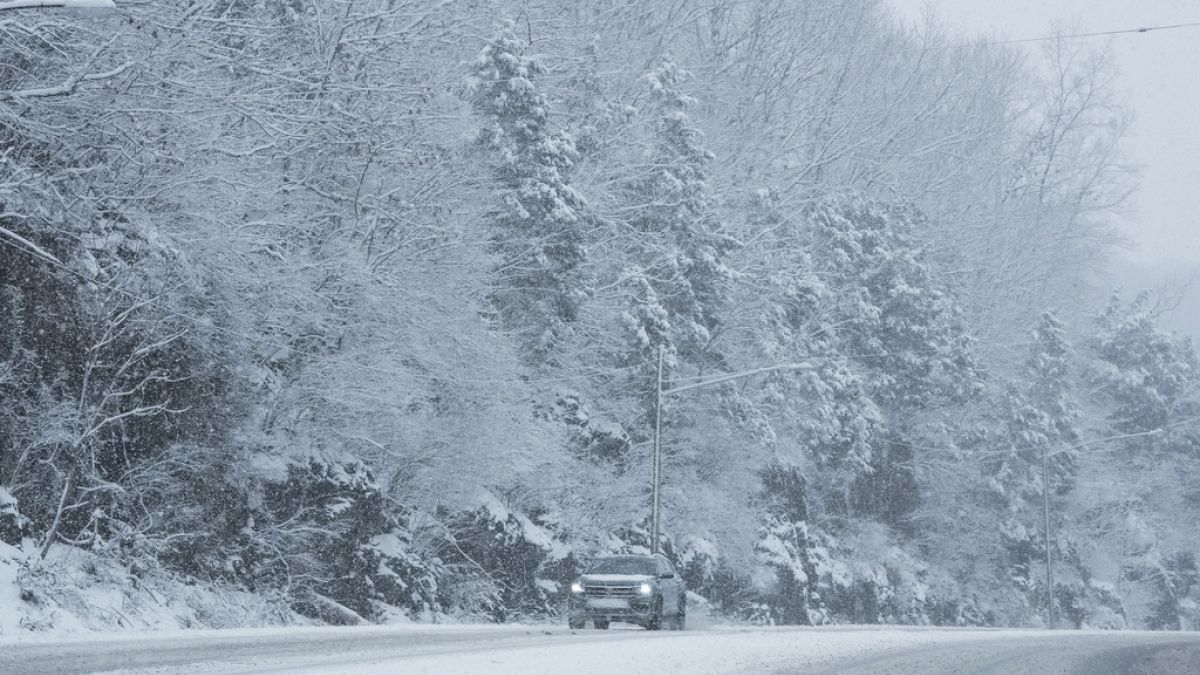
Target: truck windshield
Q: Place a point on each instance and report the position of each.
(622, 566)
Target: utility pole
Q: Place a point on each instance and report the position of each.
(1046, 503)
(1046, 529)
(659, 392)
(654, 509)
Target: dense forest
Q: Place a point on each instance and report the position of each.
(354, 307)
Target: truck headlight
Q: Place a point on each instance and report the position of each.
(646, 589)
(576, 587)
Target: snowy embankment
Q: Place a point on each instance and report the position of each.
(72, 592)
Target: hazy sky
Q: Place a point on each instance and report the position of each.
(1160, 81)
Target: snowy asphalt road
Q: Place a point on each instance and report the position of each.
(1071, 655)
(536, 649)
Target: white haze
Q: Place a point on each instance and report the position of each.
(1161, 84)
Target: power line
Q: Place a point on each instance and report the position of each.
(1008, 449)
(977, 44)
(1073, 36)
(553, 73)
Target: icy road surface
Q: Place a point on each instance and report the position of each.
(546, 649)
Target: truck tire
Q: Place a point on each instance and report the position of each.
(655, 622)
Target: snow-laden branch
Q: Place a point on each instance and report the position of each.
(83, 5)
(67, 87)
(29, 245)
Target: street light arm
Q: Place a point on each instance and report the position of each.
(64, 4)
(659, 392)
(1046, 456)
(737, 376)
(1139, 434)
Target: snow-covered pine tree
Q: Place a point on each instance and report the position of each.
(540, 228)
(1174, 607)
(596, 117)
(646, 330)
(674, 212)
(1141, 373)
(898, 331)
(1050, 370)
(1034, 415)
(824, 413)
(1037, 415)
(1143, 383)
(895, 317)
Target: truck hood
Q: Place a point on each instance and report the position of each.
(616, 578)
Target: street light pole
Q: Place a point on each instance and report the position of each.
(1046, 501)
(1049, 553)
(659, 392)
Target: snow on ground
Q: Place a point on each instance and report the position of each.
(523, 649)
(698, 653)
(10, 594)
(75, 592)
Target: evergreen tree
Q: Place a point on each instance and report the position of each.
(902, 339)
(893, 316)
(1143, 382)
(675, 213)
(646, 329)
(1034, 414)
(1141, 373)
(1174, 583)
(540, 228)
(827, 411)
(1039, 416)
(1050, 372)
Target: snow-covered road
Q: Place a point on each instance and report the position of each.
(538, 649)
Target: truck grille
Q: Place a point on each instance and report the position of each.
(610, 591)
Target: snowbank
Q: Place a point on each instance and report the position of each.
(73, 591)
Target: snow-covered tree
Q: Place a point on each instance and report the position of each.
(1141, 372)
(267, 321)
(1174, 608)
(783, 548)
(674, 211)
(540, 224)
